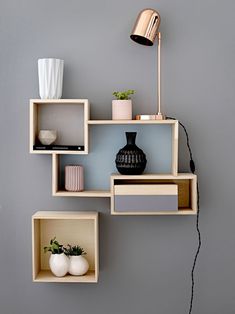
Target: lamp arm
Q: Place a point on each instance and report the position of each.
(159, 74)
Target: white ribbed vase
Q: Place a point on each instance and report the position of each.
(74, 179)
(50, 75)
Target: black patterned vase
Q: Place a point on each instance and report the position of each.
(130, 159)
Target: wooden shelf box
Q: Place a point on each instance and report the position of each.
(68, 116)
(174, 124)
(75, 228)
(154, 194)
(57, 190)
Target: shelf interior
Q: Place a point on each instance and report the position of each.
(106, 142)
(184, 189)
(73, 231)
(66, 118)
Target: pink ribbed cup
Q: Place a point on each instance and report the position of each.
(74, 179)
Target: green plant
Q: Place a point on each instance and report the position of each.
(124, 95)
(54, 247)
(74, 250)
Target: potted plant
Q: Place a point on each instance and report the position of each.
(122, 106)
(59, 262)
(78, 265)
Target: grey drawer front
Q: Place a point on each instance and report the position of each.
(148, 203)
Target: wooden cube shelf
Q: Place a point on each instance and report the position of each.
(153, 194)
(68, 116)
(58, 191)
(75, 228)
(174, 131)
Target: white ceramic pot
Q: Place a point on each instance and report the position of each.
(47, 137)
(122, 109)
(59, 264)
(50, 75)
(78, 265)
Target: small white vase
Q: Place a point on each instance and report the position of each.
(78, 265)
(122, 109)
(59, 264)
(47, 137)
(50, 75)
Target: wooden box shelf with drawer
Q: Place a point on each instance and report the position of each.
(154, 194)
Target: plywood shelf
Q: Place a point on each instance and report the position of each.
(68, 116)
(184, 212)
(183, 185)
(133, 195)
(47, 276)
(116, 122)
(76, 228)
(98, 193)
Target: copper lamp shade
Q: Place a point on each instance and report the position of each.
(146, 27)
(144, 32)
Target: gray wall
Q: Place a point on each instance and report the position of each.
(145, 261)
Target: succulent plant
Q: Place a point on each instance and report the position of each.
(74, 250)
(124, 95)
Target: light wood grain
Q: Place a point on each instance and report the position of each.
(182, 212)
(42, 214)
(113, 122)
(59, 101)
(55, 174)
(117, 176)
(145, 189)
(174, 158)
(35, 105)
(47, 276)
(86, 193)
(186, 184)
(33, 124)
(75, 228)
(63, 193)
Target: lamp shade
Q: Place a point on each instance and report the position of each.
(146, 27)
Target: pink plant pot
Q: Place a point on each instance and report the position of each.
(74, 178)
(122, 109)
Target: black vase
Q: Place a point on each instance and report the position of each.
(130, 159)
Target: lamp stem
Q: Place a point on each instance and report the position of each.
(159, 75)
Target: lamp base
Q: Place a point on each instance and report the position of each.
(158, 116)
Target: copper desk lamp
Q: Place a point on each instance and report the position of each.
(144, 32)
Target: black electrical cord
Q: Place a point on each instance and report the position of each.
(192, 168)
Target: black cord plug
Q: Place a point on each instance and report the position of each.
(192, 168)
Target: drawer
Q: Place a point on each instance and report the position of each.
(145, 197)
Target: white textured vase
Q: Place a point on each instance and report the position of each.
(122, 109)
(50, 75)
(78, 265)
(74, 178)
(47, 137)
(59, 264)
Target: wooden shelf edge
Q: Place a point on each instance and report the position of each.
(83, 194)
(118, 176)
(58, 152)
(47, 276)
(110, 122)
(163, 213)
(57, 101)
(65, 215)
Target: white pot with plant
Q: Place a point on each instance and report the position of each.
(122, 106)
(78, 265)
(58, 262)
